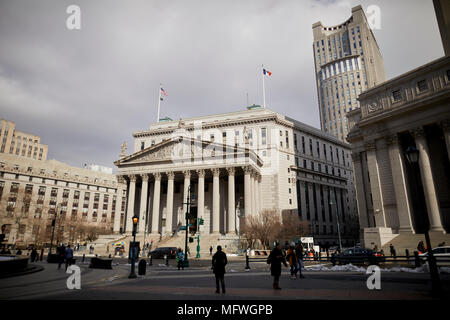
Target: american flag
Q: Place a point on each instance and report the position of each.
(163, 92)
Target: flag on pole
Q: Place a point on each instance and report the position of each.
(164, 93)
(267, 72)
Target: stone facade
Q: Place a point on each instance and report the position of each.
(32, 191)
(236, 164)
(347, 62)
(412, 109)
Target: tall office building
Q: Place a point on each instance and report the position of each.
(347, 62)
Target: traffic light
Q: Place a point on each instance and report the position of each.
(200, 221)
(191, 239)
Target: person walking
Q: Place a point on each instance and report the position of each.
(180, 259)
(61, 251)
(210, 250)
(299, 254)
(33, 254)
(219, 261)
(275, 259)
(421, 247)
(291, 257)
(68, 256)
(392, 249)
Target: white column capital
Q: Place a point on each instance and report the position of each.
(145, 177)
(132, 178)
(418, 133)
(216, 172)
(187, 174)
(170, 175)
(200, 173)
(370, 146)
(157, 175)
(231, 171)
(392, 139)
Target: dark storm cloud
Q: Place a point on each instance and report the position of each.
(85, 91)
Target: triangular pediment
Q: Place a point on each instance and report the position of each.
(178, 148)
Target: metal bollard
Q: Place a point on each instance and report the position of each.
(416, 259)
(247, 263)
(167, 260)
(83, 257)
(151, 261)
(407, 254)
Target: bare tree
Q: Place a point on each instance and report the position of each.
(262, 228)
(293, 227)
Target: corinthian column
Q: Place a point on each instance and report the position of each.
(398, 178)
(445, 125)
(143, 202)
(201, 195)
(247, 191)
(120, 184)
(231, 228)
(375, 185)
(130, 207)
(428, 181)
(216, 201)
(156, 200)
(169, 203)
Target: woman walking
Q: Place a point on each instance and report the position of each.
(292, 258)
(219, 262)
(275, 259)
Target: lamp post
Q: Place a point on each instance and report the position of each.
(145, 231)
(133, 249)
(337, 221)
(53, 231)
(240, 214)
(188, 204)
(412, 155)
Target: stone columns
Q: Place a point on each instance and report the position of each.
(120, 182)
(257, 198)
(169, 203)
(445, 125)
(130, 206)
(428, 181)
(360, 191)
(143, 206)
(156, 200)
(247, 191)
(216, 201)
(201, 194)
(398, 178)
(187, 182)
(231, 202)
(254, 208)
(375, 185)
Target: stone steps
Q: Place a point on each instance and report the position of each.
(409, 241)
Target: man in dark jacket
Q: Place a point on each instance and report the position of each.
(219, 261)
(275, 259)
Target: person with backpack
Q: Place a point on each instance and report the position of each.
(275, 259)
(299, 254)
(291, 257)
(180, 259)
(68, 256)
(219, 261)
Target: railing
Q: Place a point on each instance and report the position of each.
(415, 260)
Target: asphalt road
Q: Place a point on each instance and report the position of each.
(198, 283)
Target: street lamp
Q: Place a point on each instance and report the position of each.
(133, 249)
(412, 155)
(53, 231)
(337, 221)
(188, 204)
(240, 214)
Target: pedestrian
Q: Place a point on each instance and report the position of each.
(180, 259)
(291, 257)
(33, 254)
(61, 252)
(19, 252)
(421, 247)
(275, 259)
(375, 248)
(219, 261)
(442, 244)
(210, 250)
(299, 254)
(392, 249)
(68, 255)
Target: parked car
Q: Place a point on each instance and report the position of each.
(358, 256)
(439, 252)
(159, 253)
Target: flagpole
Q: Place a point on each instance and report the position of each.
(264, 89)
(159, 101)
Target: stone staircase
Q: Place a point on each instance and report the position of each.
(228, 243)
(409, 241)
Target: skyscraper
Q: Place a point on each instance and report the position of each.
(347, 61)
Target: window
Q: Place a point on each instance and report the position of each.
(422, 85)
(396, 95)
(142, 145)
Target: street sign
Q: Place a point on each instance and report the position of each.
(183, 228)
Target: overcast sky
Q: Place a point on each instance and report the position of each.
(86, 91)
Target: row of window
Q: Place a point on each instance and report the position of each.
(335, 155)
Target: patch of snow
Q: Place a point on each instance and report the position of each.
(352, 268)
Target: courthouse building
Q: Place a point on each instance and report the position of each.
(237, 164)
